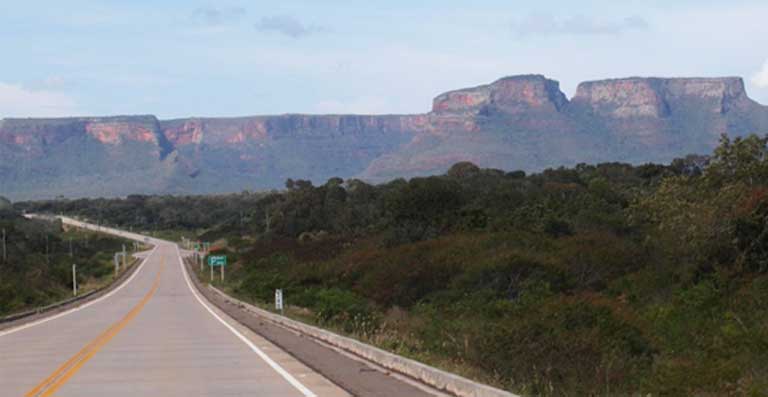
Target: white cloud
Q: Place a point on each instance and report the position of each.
(287, 25)
(218, 16)
(18, 101)
(760, 78)
(549, 25)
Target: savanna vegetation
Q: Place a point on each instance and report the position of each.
(36, 264)
(605, 279)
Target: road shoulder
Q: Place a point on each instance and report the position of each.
(353, 375)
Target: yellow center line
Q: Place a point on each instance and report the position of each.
(62, 374)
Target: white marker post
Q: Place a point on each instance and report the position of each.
(279, 300)
(74, 280)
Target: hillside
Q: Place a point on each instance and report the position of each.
(519, 122)
(36, 269)
(606, 279)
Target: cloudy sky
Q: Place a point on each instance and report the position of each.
(227, 58)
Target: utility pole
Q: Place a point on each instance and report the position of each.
(125, 258)
(74, 280)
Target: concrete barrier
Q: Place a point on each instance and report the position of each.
(432, 376)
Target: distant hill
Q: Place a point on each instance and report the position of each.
(519, 122)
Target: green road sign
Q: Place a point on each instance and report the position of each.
(217, 260)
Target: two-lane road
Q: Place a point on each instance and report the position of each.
(152, 336)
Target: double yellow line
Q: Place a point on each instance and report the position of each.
(62, 374)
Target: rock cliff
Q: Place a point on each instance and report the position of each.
(518, 122)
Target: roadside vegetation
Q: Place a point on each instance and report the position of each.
(37, 269)
(605, 279)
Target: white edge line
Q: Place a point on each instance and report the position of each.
(303, 389)
(81, 307)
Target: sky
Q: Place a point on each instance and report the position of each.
(231, 58)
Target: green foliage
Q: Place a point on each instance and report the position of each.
(5, 204)
(606, 279)
(739, 160)
(38, 269)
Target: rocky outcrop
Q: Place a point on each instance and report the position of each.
(518, 122)
(656, 98)
(513, 95)
(259, 129)
(36, 134)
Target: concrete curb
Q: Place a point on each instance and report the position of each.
(432, 376)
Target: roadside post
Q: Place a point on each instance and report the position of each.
(117, 263)
(279, 300)
(199, 257)
(217, 260)
(74, 280)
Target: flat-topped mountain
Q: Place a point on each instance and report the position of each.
(518, 122)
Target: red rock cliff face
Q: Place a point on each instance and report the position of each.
(655, 98)
(259, 129)
(36, 134)
(518, 122)
(32, 136)
(117, 132)
(513, 95)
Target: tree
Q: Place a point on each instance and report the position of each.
(464, 169)
(5, 204)
(741, 159)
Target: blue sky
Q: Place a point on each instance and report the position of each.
(228, 58)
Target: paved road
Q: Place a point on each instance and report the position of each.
(152, 336)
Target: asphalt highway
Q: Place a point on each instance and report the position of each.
(153, 335)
